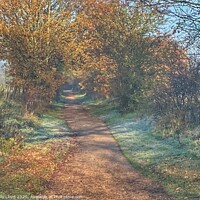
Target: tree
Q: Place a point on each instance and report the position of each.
(112, 34)
(88, 60)
(174, 87)
(184, 15)
(31, 40)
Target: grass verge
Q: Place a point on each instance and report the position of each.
(27, 171)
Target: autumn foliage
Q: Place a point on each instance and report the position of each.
(113, 48)
(28, 43)
(29, 170)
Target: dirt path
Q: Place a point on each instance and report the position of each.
(98, 170)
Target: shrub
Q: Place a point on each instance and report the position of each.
(12, 125)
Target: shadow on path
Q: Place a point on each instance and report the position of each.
(98, 170)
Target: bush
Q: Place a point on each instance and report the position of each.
(177, 105)
(12, 125)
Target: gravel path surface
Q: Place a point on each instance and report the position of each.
(96, 169)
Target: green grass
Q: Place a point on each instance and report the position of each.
(175, 166)
(50, 126)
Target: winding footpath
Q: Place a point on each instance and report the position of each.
(97, 169)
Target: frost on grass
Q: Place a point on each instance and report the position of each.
(164, 159)
(50, 128)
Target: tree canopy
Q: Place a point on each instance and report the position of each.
(114, 48)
